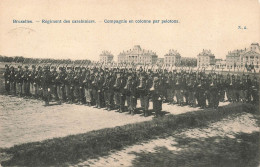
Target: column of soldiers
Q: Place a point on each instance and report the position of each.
(119, 89)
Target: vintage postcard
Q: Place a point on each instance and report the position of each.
(129, 83)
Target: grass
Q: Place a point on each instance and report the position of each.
(76, 148)
(241, 151)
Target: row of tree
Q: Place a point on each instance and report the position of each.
(23, 60)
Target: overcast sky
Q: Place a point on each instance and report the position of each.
(204, 24)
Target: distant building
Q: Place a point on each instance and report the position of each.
(205, 59)
(220, 63)
(137, 56)
(244, 57)
(172, 58)
(106, 57)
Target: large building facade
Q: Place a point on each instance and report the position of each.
(205, 59)
(244, 57)
(106, 57)
(137, 56)
(172, 58)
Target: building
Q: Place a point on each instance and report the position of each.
(106, 57)
(205, 59)
(244, 57)
(220, 63)
(172, 58)
(233, 59)
(137, 56)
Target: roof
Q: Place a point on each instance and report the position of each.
(137, 50)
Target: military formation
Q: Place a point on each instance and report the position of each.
(120, 88)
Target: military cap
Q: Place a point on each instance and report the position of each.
(26, 67)
(33, 66)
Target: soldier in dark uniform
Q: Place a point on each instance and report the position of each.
(69, 85)
(133, 94)
(201, 93)
(95, 89)
(229, 86)
(76, 85)
(7, 77)
(60, 82)
(156, 95)
(38, 79)
(191, 92)
(53, 83)
(255, 91)
(178, 90)
(33, 85)
(82, 77)
(100, 97)
(12, 81)
(117, 87)
(46, 84)
(26, 81)
(87, 88)
(169, 88)
(19, 81)
(213, 94)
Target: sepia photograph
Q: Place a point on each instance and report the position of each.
(128, 83)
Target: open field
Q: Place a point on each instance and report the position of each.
(27, 120)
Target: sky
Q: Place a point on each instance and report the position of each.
(203, 24)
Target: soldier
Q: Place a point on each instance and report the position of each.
(38, 79)
(19, 81)
(7, 79)
(117, 87)
(12, 81)
(156, 93)
(178, 90)
(46, 84)
(213, 94)
(26, 82)
(33, 85)
(69, 85)
(229, 86)
(87, 88)
(145, 84)
(76, 85)
(82, 77)
(60, 82)
(255, 91)
(169, 88)
(100, 98)
(94, 86)
(191, 92)
(53, 84)
(201, 93)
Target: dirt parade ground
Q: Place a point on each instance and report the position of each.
(231, 140)
(28, 120)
